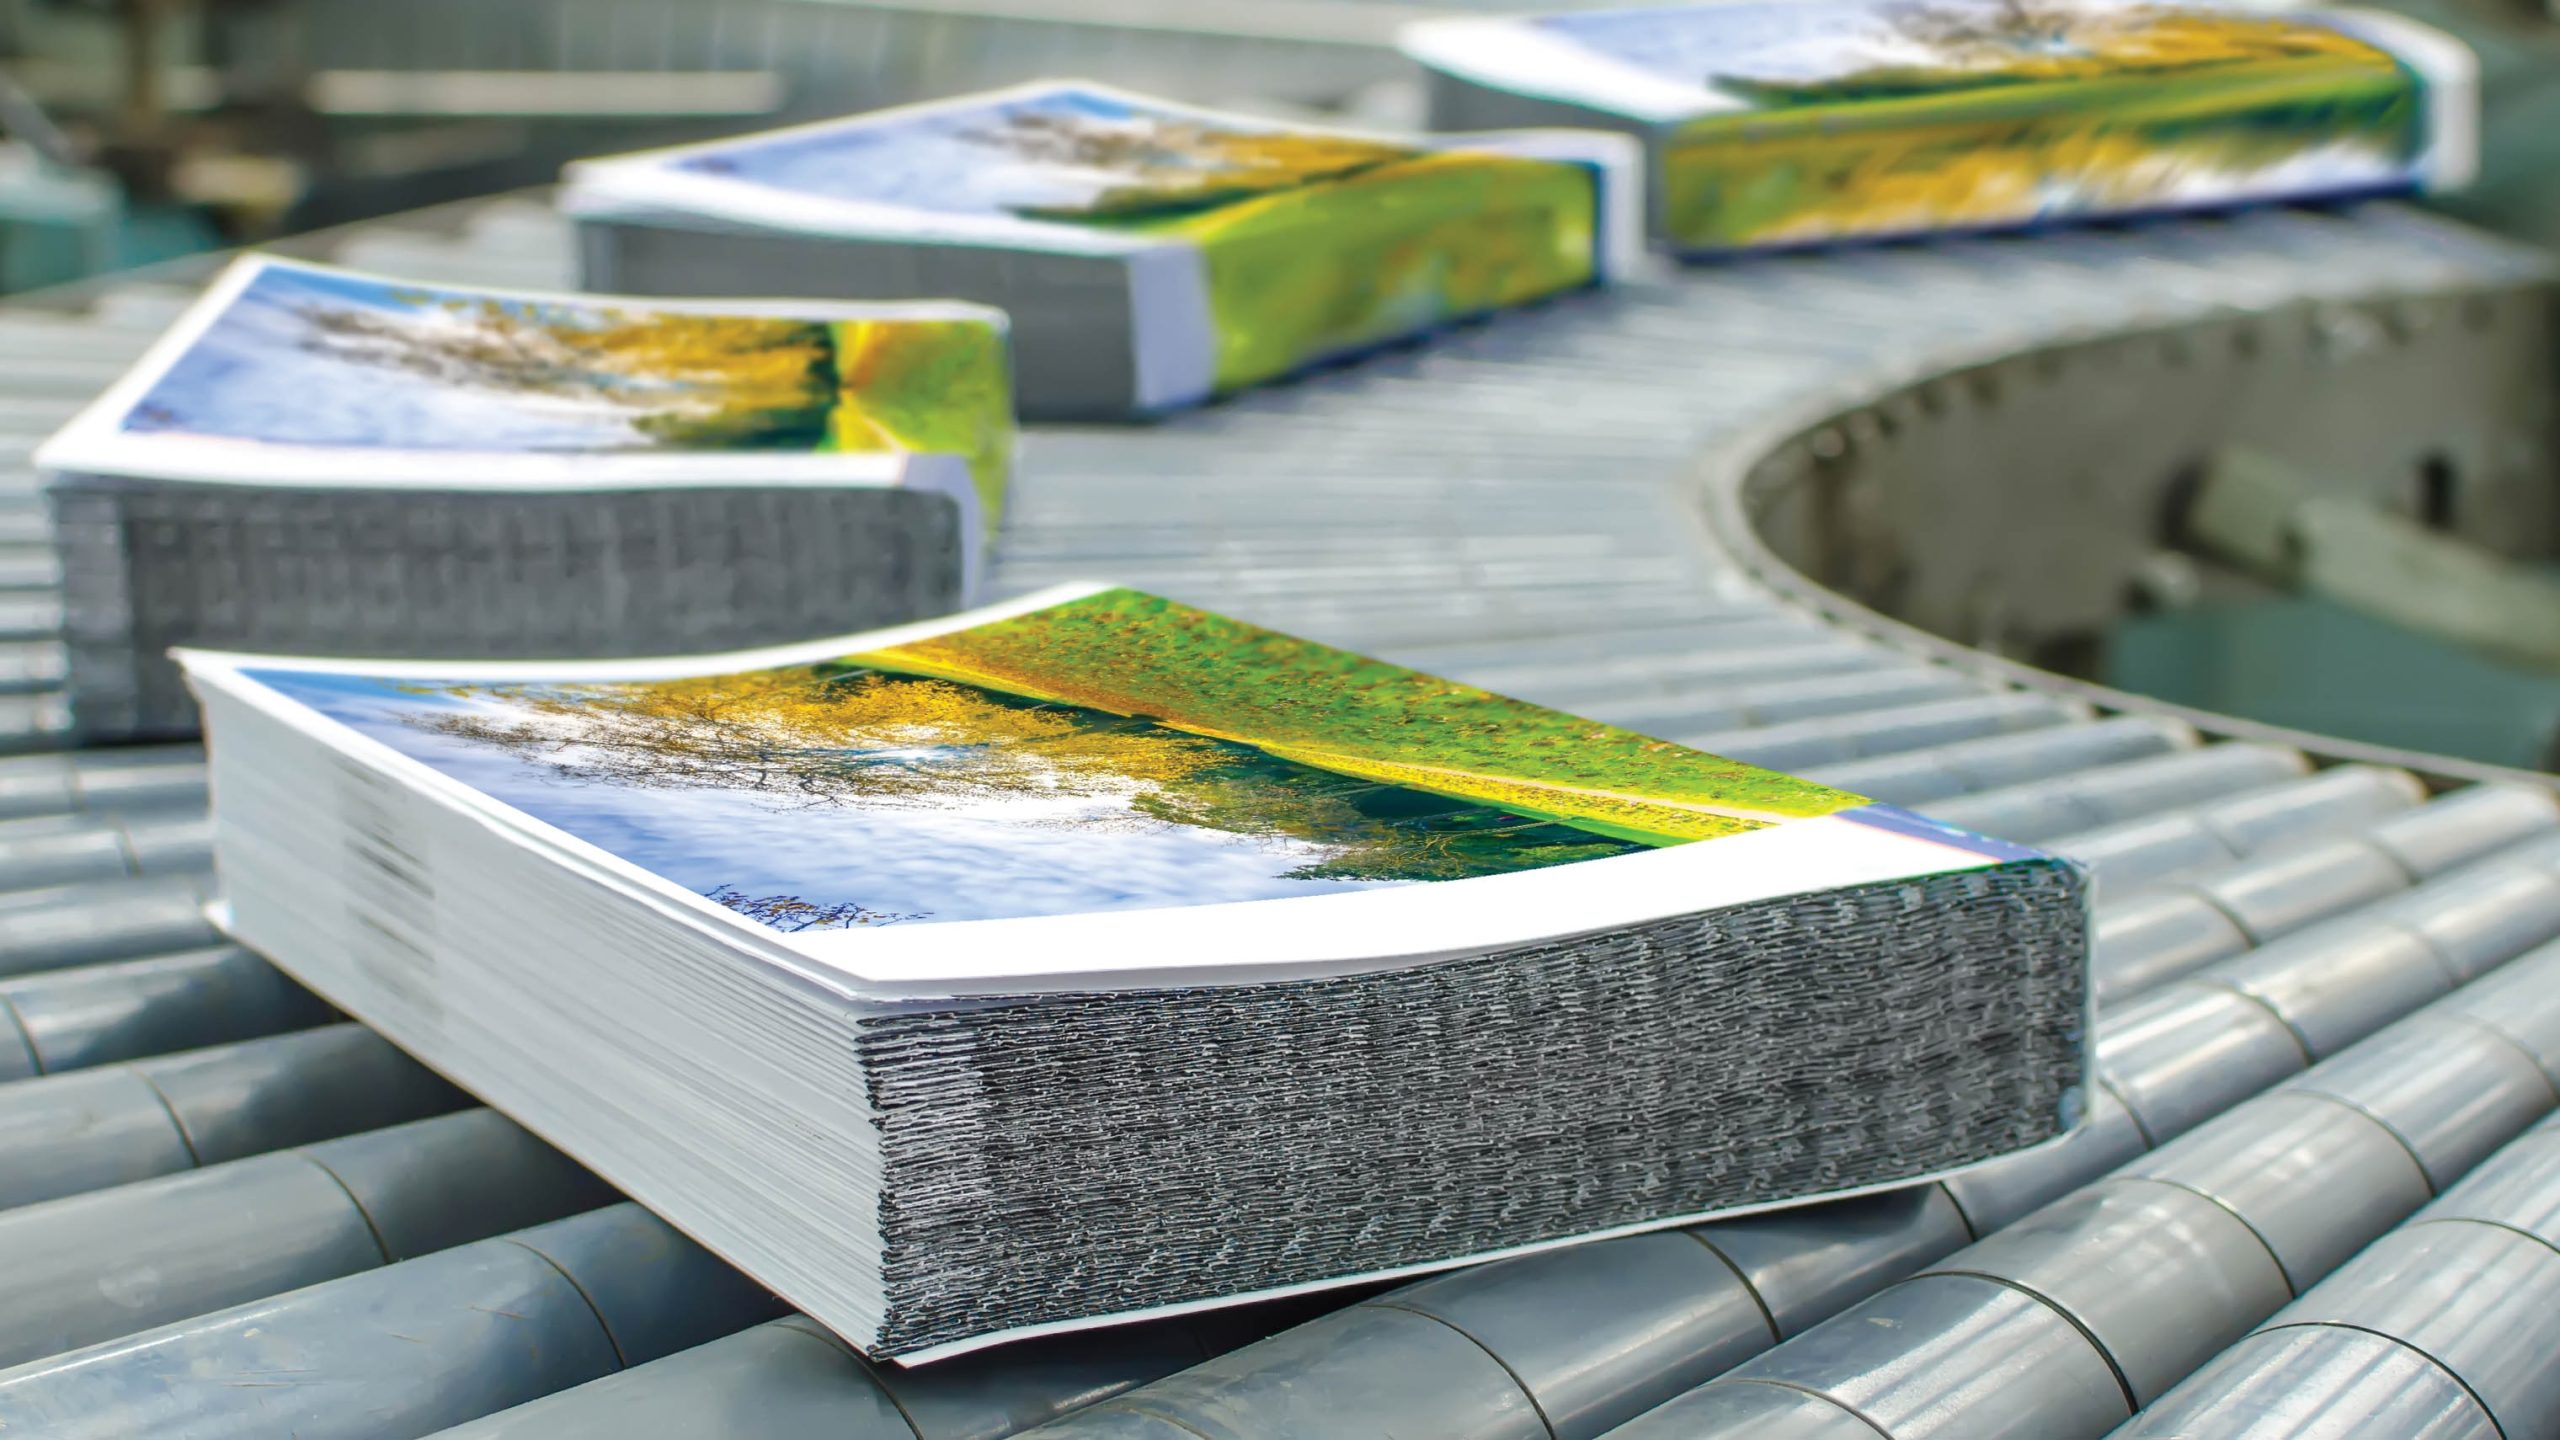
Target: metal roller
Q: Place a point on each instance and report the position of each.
(98, 1014)
(56, 928)
(54, 851)
(89, 1129)
(2040, 810)
(2317, 1383)
(91, 1267)
(1918, 777)
(2440, 1328)
(1803, 744)
(791, 1380)
(410, 1348)
(2146, 851)
(167, 777)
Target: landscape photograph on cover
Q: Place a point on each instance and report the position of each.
(1906, 115)
(1315, 243)
(325, 358)
(1116, 751)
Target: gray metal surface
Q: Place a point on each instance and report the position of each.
(1519, 503)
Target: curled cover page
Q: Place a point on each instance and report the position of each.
(1259, 246)
(1780, 124)
(291, 374)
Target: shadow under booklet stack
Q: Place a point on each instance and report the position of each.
(1094, 956)
(319, 462)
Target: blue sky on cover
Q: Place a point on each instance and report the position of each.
(927, 161)
(980, 862)
(253, 375)
(1788, 41)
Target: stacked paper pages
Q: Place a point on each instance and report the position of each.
(1149, 253)
(1095, 956)
(317, 462)
(1772, 124)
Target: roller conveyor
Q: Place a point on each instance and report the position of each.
(1518, 504)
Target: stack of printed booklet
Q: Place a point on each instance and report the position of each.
(325, 463)
(1094, 956)
(1807, 121)
(1150, 253)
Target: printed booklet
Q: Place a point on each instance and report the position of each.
(1150, 254)
(320, 462)
(1806, 121)
(1095, 957)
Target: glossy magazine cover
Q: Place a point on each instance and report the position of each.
(1098, 755)
(293, 374)
(1787, 124)
(1302, 242)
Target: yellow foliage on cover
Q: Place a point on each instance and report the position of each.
(1132, 654)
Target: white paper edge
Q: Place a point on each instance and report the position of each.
(92, 444)
(1173, 333)
(2451, 98)
(1519, 56)
(1257, 940)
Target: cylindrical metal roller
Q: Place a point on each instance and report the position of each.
(1806, 1264)
(31, 666)
(783, 1380)
(1803, 744)
(2342, 795)
(1777, 702)
(2470, 822)
(65, 1134)
(2130, 854)
(2159, 1277)
(2276, 895)
(766, 1383)
(88, 1268)
(1919, 777)
(2042, 809)
(2474, 918)
(142, 779)
(1742, 1407)
(2452, 1091)
(98, 1014)
(1657, 1313)
(1752, 654)
(1947, 1357)
(2334, 987)
(2145, 940)
(403, 1350)
(2314, 1177)
(2179, 1055)
(2476, 1297)
(2316, 1383)
(113, 920)
(58, 850)
(2004, 1190)
(2150, 849)
(1373, 1368)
